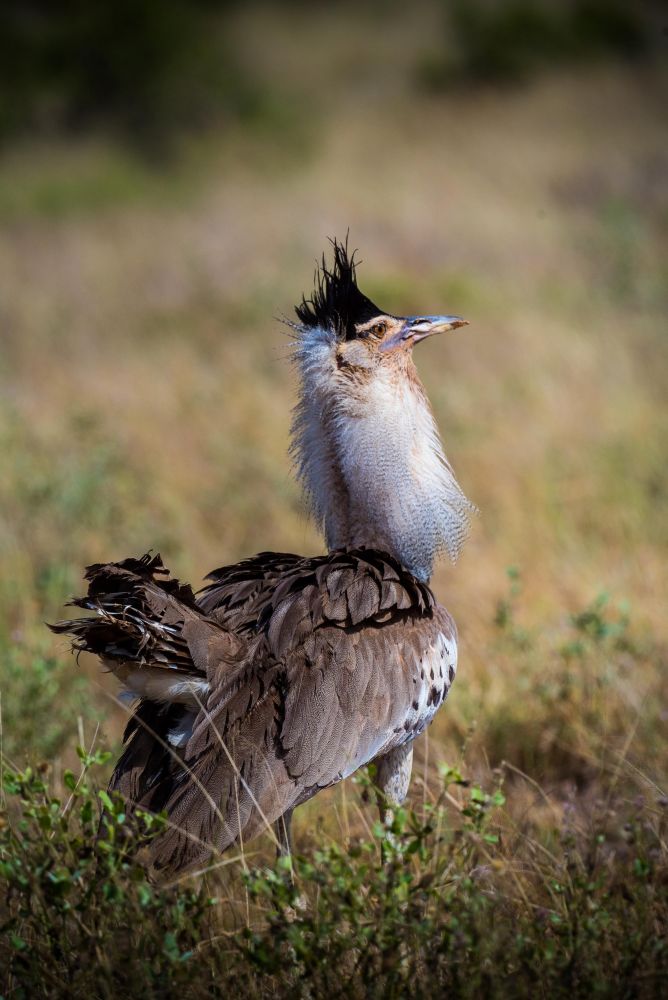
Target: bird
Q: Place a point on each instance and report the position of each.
(285, 674)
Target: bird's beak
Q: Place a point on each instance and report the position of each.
(416, 328)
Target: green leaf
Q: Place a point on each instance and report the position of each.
(69, 780)
(105, 800)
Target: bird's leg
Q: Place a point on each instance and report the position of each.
(393, 776)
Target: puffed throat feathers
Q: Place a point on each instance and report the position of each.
(369, 456)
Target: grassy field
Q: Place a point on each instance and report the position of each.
(145, 402)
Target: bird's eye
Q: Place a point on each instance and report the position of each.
(376, 330)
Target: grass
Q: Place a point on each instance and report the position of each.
(457, 896)
(145, 403)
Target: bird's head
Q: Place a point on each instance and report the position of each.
(360, 338)
(364, 437)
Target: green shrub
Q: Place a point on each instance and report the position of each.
(78, 916)
(513, 40)
(42, 696)
(448, 901)
(144, 67)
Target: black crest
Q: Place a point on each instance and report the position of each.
(337, 301)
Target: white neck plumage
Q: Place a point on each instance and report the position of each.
(369, 456)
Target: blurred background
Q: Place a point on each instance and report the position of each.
(169, 173)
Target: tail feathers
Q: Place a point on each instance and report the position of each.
(103, 578)
(139, 618)
(149, 630)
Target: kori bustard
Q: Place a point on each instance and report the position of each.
(287, 673)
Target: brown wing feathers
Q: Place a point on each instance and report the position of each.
(145, 771)
(297, 653)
